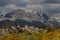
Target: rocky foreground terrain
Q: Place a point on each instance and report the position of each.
(30, 33)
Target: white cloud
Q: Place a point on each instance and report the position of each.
(35, 5)
(52, 6)
(45, 8)
(8, 8)
(34, 1)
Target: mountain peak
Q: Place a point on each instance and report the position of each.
(29, 16)
(28, 10)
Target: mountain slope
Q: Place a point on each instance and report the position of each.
(21, 14)
(29, 17)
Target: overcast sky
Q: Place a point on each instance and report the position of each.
(45, 6)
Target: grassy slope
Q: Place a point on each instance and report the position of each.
(50, 34)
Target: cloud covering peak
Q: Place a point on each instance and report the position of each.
(43, 6)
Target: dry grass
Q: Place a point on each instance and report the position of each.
(38, 34)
